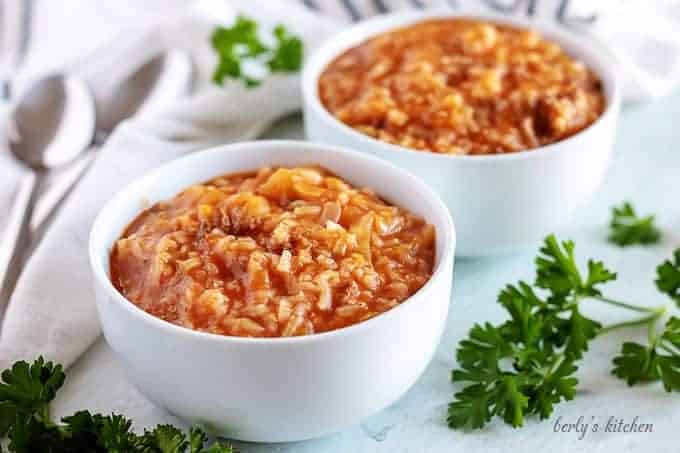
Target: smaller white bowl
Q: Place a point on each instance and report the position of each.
(500, 202)
(275, 389)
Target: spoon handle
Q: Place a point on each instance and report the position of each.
(54, 196)
(15, 233)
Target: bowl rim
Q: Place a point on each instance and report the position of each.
(97, 244)
(334, 46)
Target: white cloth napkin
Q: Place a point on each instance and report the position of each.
(52, 310)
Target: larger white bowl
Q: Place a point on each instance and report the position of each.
(501, 201)
(280, 389)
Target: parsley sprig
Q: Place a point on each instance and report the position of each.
(660, 358)
(527, 364)
(627, 228)
(668, 277)
(26, 427)
(240, 45)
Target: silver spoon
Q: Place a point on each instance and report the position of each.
(52, 122)
(155, 85)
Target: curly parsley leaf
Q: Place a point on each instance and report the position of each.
(471, 407)
(597, 274)
(556, 268)
(240, 44)
(557, 271)
(668, 277)
(480, 353)
(197, 438)
(521, 303)
(479, 357)
(658, 361)
(626, 228)
(81, 431)
(115, 433)
(167, 439)
(31, 387)
(26, 390)
(559, 384)
(636, 363)
(511, 401)
(581, 331)
(234, 44)
(287, 55)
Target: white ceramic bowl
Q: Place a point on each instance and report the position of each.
(280, 389)
(502, 201)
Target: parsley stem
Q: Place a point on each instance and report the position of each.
(650, 321)
(654, 310)
(44, 414)
(633, 323)
(652, 337)
(558, 361)
(667, 348)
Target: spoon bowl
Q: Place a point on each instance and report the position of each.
(52, 123)
(153, 86)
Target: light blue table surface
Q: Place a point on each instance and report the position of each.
(646, 170)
